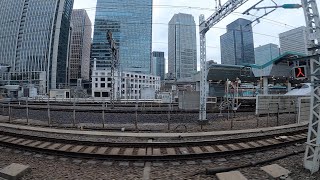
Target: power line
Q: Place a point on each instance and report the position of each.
(144, 6)
(222, 28)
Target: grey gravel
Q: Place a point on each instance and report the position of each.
(27, 153)
(64, 159)
(248, 156)
(157, 164)
(7, 150)
(42, 168)
(50, 157)
(235, 158)
(175, 163)
(221, 160)
(92, 162)
(107, 163)
(17, 151)
(123, 163)
(77, 161)
(138, 164)
(207, 161)
(191, 162)
(38, 155)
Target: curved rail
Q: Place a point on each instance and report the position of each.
(149, 150)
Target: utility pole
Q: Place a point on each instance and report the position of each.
(205, 25)
(115, 66)
(312, 154)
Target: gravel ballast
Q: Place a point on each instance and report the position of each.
(65, 168)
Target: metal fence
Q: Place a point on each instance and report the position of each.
(145, 116)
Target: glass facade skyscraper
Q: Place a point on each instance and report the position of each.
(35, 41)
(266, 53)
(158, 64)
(80, 46)
(130, 22)
(182, 46)
(237, 46)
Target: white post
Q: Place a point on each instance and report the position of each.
(265, 86)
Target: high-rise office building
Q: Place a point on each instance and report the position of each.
(79, 64)
(266, 53)
(182, 46)
(158, 64)
(237, 43)
(35, 41)
(294, 40)
(130, 22)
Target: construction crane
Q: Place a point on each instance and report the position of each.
(312, 154)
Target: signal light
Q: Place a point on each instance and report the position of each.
(300, 72)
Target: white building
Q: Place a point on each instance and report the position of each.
(294, 40)
(132, 85)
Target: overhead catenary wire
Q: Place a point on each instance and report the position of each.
(166, 24)
(156, 6)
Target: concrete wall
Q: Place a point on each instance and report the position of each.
(304, 109)
(189, 100)
(270, 103)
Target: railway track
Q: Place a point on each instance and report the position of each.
(149, 151)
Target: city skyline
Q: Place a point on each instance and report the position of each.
(163, 10)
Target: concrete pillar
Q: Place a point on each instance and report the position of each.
(288, 86)
(265, 85)
(95, 64)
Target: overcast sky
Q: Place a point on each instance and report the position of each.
(267, 31)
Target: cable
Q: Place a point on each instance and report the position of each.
(155, 6)
(140, 24)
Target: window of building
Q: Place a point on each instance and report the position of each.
(105, 94)
(103, 85)
(96, 85)
(109, 85)
(103, 79)
(97, 94)
(96, 79)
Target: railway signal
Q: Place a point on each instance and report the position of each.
(300, 72)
